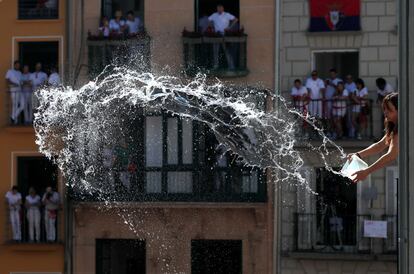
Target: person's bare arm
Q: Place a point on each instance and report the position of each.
(233, 22)
(382, 162)
(373, 149)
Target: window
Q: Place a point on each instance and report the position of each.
(109, 7)
(216, 256)
(35, 9)
(37, 172)
(346, 62)
(45, 52)
(336, 210)
(120, 256)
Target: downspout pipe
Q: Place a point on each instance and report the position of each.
(277, 218)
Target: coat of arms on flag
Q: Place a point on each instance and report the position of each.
(335, 15)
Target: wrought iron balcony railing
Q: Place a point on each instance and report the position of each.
(221, 56)
(34, 9)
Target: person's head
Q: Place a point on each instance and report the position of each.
(118, 14)
(333, 73)
(32, 191)
(15, 189)
(38, 66)
(360, 83)
(104, 20)
(53, 69)
(390, 108)
(130, 15)
(349, 79)
(220, 8)
(26, 69)
(340, 87)
(16, 65)
(381, 83)
(314, 74)
(297, 83)
(49, 189)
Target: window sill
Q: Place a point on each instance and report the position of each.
(222, 205)
(46, 247)
(31, 21)
(340, 256)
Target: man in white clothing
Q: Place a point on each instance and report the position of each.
(133, 23)
(38, 78)
(54, 78)
(222, 21)
(13, 77)
(316, 89)
(383, 88)
(14, 200)
(51, 200)
(331, 84)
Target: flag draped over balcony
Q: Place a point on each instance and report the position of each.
(335, 15)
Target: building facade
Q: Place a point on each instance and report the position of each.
(325, 233)
(31, 33)
(172, 225)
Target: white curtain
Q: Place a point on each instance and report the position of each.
(180, 182)
(153, 141)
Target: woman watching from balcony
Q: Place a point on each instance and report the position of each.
(104, 27)
(27, 89)
(390, 140)
(358, 101)
(339, 108)
(32, 204)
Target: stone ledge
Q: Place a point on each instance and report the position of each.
(340, 256)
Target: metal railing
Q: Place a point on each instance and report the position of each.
(222, 56)
(29, 231)
(118, 50)
(340, 118)
(390, 243)
(34, 9)
(331, 234)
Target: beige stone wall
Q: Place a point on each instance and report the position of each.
(168, 233)
(318, 266)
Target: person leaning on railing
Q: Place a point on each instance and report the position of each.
(51, 200)
(390, 140)
(13, 77)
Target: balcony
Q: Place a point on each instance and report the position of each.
(25, 229)
(215, 55)
(331, 234)
(118, 50)
(339, 119)
(35, 10)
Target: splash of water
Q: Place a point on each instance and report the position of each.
(73, 126)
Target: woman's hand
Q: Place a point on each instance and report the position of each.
(360, 175)
(349, 156)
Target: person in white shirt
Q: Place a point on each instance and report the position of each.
(27, 92)
(331, 84)
(350, 87)
(383, 89)
(339, 106)
(51, 200)
(14, 200)
(132, 23)
(300, 97)
(13, 77)
(104, 27)
(39, 79)
(222, 21)
(358, 101)
(54, 78)
(203, 23)
(117, 25)
(32, 204)
(316, 89)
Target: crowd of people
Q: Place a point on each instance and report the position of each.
(342, 105)
(33, 205)
(22, 83)
(130, 25)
